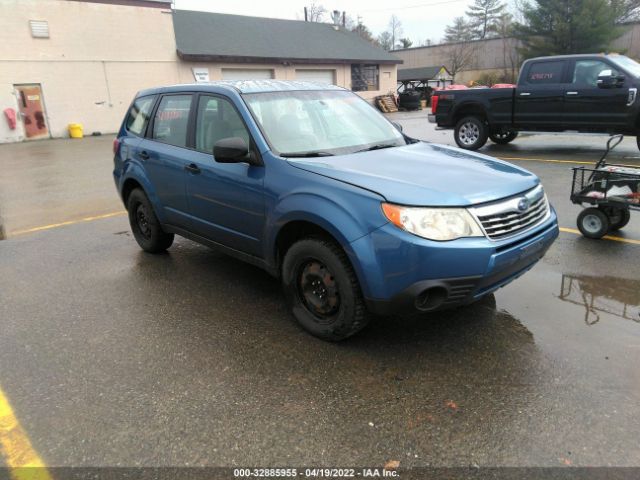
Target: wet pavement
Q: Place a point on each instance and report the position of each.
(111, 356)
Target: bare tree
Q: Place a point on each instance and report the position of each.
(315, 12)
(395, 29)
(460, 56)
(385, 41)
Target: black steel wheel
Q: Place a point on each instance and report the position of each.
(593, 223)
(618, 217)
(471, 133)
(145, 225)
(502, 137)
(322, 289)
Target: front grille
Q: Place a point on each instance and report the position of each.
(504, 219)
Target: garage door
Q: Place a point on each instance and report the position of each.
(322, 76)
(247, 74)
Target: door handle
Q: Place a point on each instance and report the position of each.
(144, 155)
(572, 93)
(192, 168)
(525, 94)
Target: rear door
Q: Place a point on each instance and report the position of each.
(540, 95)
(164, 154)
(586, 106)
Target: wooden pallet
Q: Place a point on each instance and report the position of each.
(386, 103)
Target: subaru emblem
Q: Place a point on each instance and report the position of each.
(523, 204)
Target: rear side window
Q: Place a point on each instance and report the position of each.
(171, 120)
(544, 73)
(139, 115)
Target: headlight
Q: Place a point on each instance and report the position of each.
(433, 223)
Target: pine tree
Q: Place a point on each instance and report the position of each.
(459, 31)
(556, 27)
(483, 16)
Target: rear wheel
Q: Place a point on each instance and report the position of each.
(618, 218)
(593, 223)
(322, 289)
(502, 137)
(145, 225)
(471, 133)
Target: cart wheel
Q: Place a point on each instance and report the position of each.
(618, 218)
(593, 223)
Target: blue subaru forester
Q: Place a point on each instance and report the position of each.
(311, 183)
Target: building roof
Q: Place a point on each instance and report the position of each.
(202, 36)
(245, 86)
(421, 73)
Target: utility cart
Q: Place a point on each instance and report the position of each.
(610, 191)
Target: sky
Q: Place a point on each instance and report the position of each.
(421, 19)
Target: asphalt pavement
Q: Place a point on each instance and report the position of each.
(113, 357)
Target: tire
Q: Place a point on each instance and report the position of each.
(471, 133)
(145, 225)
(638, 141)
(593, 223)
(503, 137)
(618, 218)
(322, 290)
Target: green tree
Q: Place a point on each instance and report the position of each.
(405, 42)
(483, 17)
(459, 31)
(556, 27)
(385, 40)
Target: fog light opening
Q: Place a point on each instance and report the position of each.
(431, 298)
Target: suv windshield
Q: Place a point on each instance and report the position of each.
(631, 66)
(318, 123)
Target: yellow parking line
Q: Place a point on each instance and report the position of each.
(62, 224)
(20, 457)
(606, 237)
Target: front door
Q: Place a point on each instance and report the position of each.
(539, 99)
(586, 106)
(226, 200)
(31, 109)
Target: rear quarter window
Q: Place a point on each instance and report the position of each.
(544, 73)
(139, 114)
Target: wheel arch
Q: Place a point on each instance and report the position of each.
(470, 109)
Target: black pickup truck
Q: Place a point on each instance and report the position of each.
(584, 93)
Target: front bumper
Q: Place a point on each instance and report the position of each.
(408, 274)
(432, 118)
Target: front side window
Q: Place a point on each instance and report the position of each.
(139, 115)
(544, 73)
(365, 77)
(171, 120)
(217, 119)
(586, 72)
(325, 122)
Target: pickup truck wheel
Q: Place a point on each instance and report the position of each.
(322, 290)
(471, 133)
(503, 137)
(145, 225)
(593, 223)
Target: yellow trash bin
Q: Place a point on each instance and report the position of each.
(75, 130)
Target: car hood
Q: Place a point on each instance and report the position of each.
(425, 174)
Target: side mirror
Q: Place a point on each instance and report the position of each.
(397, 125)
(231, 150)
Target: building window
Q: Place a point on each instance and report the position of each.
(364, 77)
(39, 28)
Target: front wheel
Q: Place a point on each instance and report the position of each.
(593, 223)
(322, 289)
(502, 137)
(471, 133)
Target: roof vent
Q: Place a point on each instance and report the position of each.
(39, 28)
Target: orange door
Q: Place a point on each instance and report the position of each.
(32, 111)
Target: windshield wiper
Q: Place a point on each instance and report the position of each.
(306, 154)
(379, 146)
